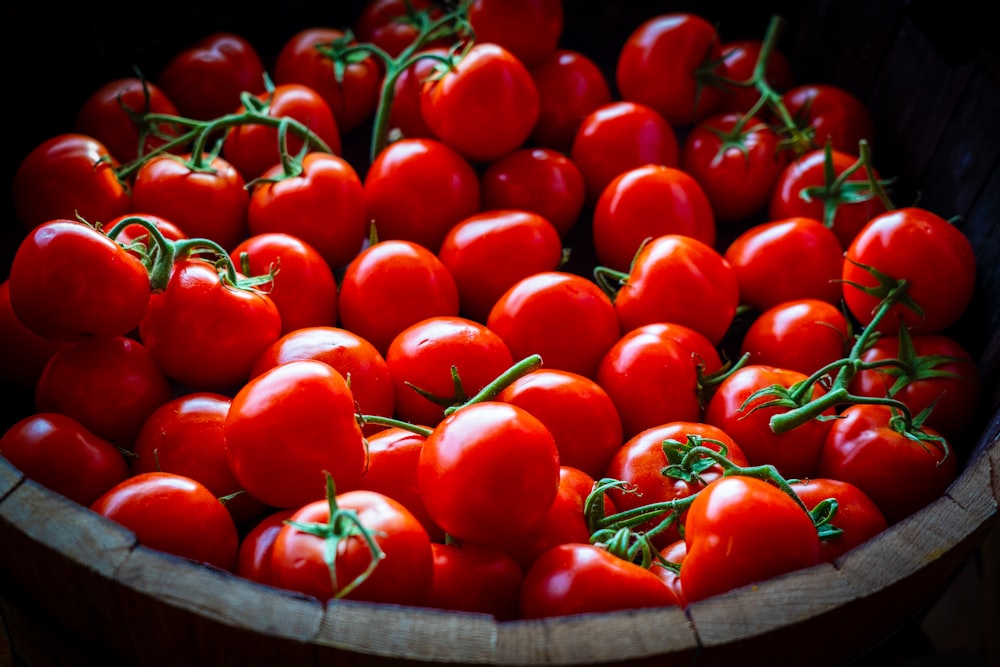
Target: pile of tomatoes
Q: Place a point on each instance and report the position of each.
(566, 340)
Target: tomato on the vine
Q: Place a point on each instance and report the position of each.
(802, 335)
(740, 58)
(393, 25)
(857, 515)
(835, 114)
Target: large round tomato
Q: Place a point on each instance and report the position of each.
(802, 335)
(836, 115)
(570, 86)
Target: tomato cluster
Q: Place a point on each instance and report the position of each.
(570, 339)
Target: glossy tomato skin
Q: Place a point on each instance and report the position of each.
(66, 176)
(742, 530)
(529, 29)
(740, 58)
(585, 578)
(802, 335)
(23, 353)
(63, 455)
(836, 115)
(644, 203)
(475, 578)
(899, 474)
(656, 66)
(857, 514)
(402, 576)
(938, 265)
(174, 514)
(136, 233)
(257, 545)
(388, 24)
(488, 252)
(405, 116)
(70, 282)
(570, 85)
(391, 285)
(288, 426)
(544, 314)
(302, 205)
(488, 472)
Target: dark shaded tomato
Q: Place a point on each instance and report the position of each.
(392, 25)
(529, 29)
(673, 553)
(787, 259)
(23, 353)
(67, 176)
(206, 79)
(418, 189)
(900, 474)
(740, 59)
(570, 85)
(109, 384)
(391, 285)
(427, 358)
(586, 578)
(405, 117)
(857, 515)
(174, 514)
(836, 115)
(803, 335)
(658, 66)
(488, 252)
(743, 530)
(545, 314)
(644, 203)
(254, 559)
(475, 578)
(287, 427)
(63, 455)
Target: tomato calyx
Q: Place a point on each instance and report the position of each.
(837, 190)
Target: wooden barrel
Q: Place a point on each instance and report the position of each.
(76, 588)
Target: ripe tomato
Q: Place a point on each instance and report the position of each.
(402, 574)
(70, 282)
(544, 314)
(302, 205)
(288, 426)
(803, 335)
(741, 530)
(787, 259)
(442, 362)
(659, 62)
(673, 553)
(405, 117)
(23, 353)
(174, 514)
(63, 455)
(488, 252)
(136, 233)
(739, 59)
(529, 29)
(570, 85)
(254, 559)
(857, 515)
(835, 114)
(66, 176)
(485, 106)
(475, 578)
(585, 578)
(418, 189)
(644, 203)
(937, 262)
(488, 472)
(392, 25)
(206, 79)
(391, 285)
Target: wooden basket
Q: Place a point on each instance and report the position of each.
(76, 588)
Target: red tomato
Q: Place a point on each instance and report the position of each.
(186, 436)
(857, 515)
(391, 285)
(529, 29)
(24, 353)
(209, 200)
(653, 375)
(392, 25)
(203, 332)
(67, 176)
(488, 472)
(488, 252)
(405, 116)
(109, 384)
(111, 115)
(306, 59)
(174, 514)
(545, 314)
(740, 58)
(737, 169)
(659, 62)
(418, 189)
(136, 233)
(900, 474)
(475, 578)
(303, 204)
(673, 553)
(303, 288)
(742, 530)
(836, 115)
(442, 362)
(585, 578)
(404, 569)
(485, 106)
(61, 454)
(795, 453)
(539, 180)
(570, 86)
(681, 280)
(803, 335)
(254, 558)
(70, 282)
(933, 256)
(619, 136)
(577, 411)
(288, 426)
(646, 202)
(206, 79)
(787, 259)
